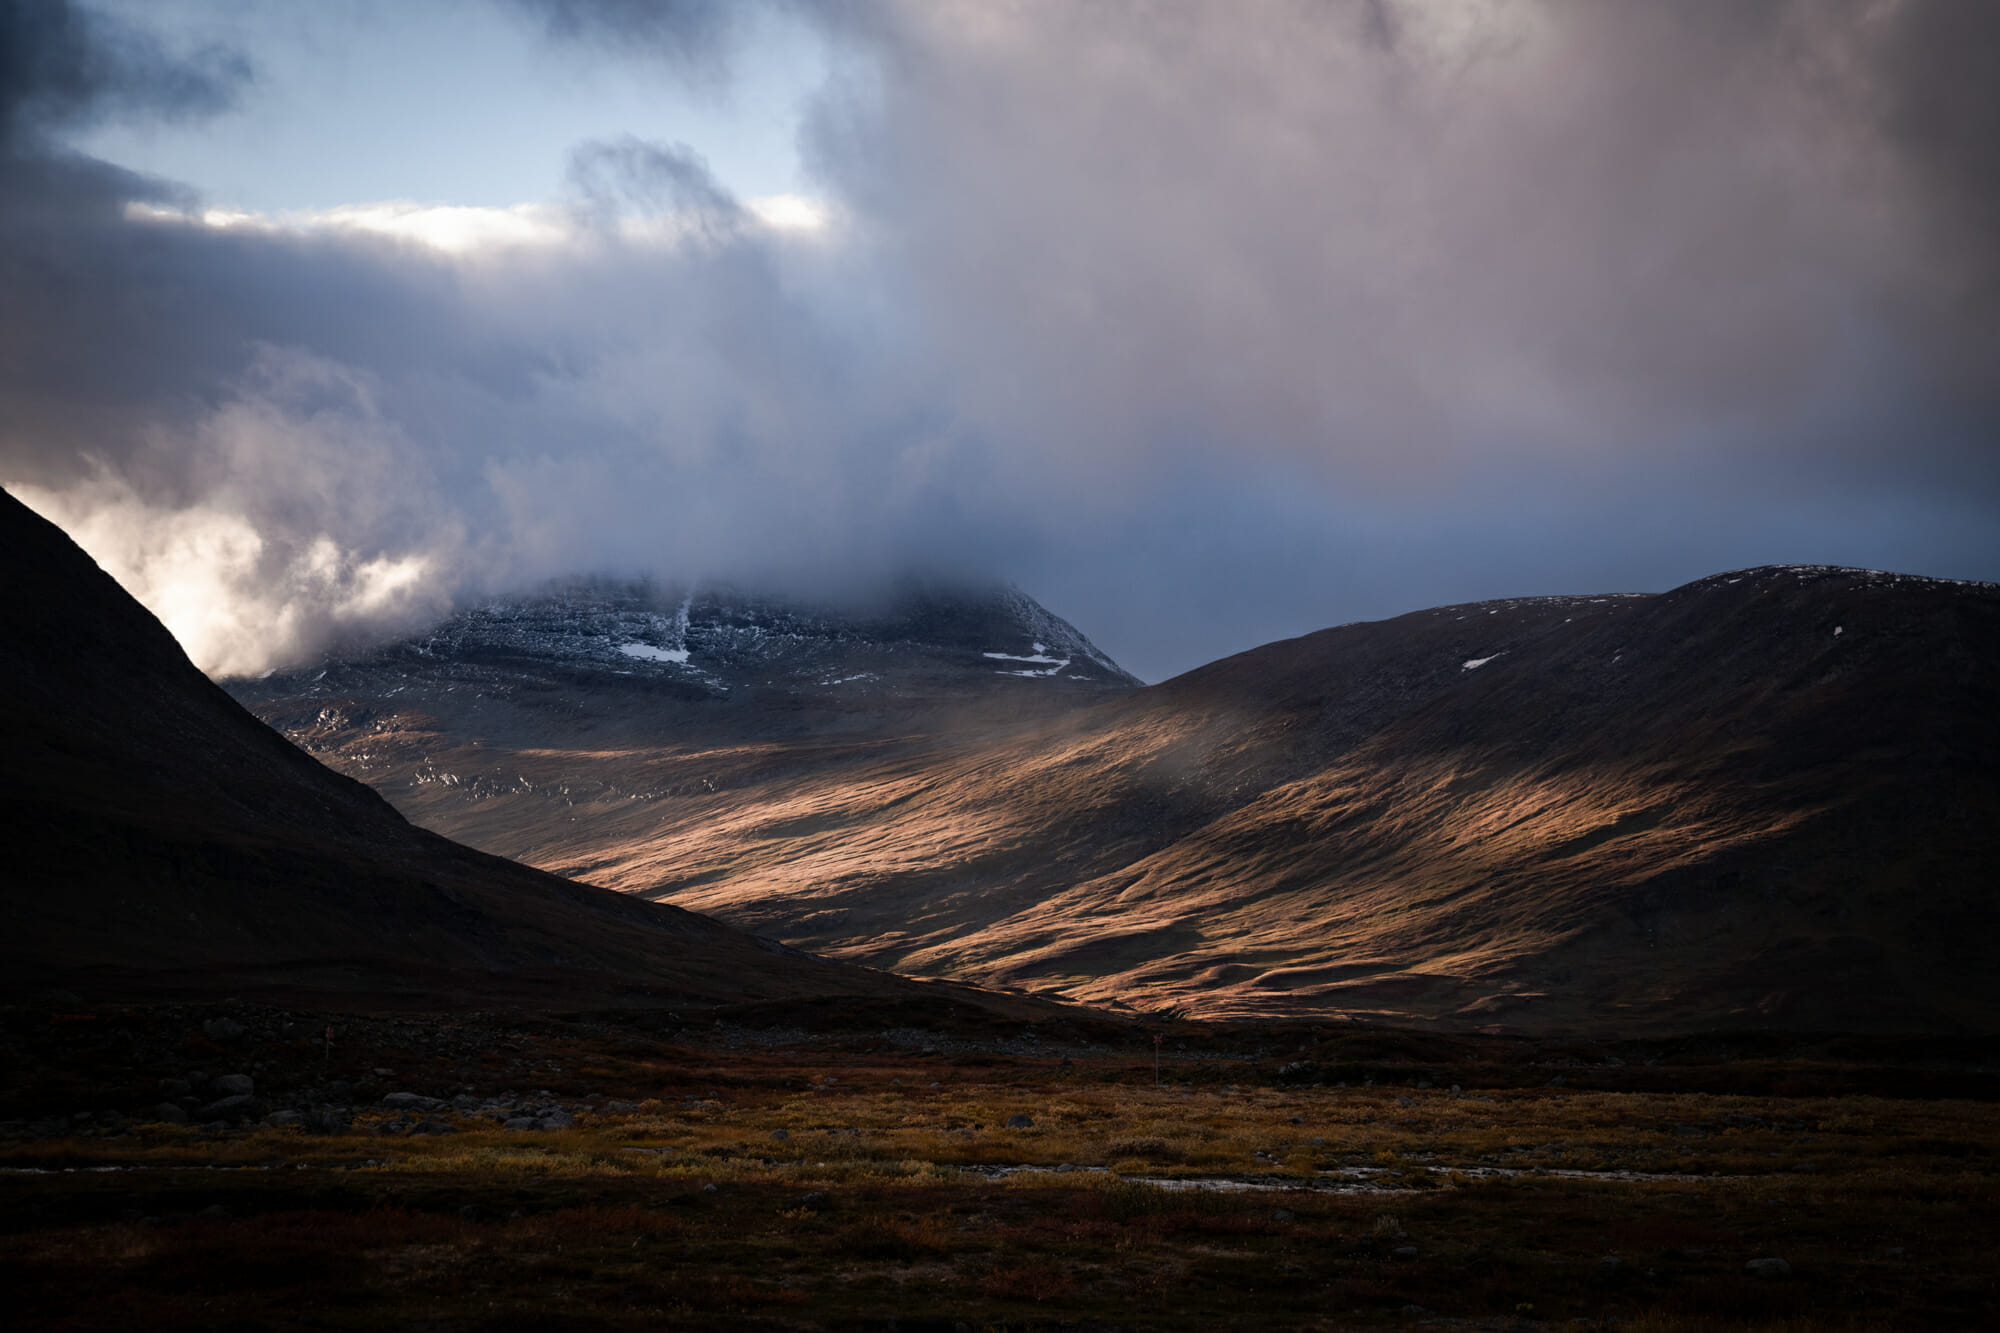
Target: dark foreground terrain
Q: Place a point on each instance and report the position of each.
(889, 1163)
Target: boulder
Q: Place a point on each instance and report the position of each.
(410, 1101)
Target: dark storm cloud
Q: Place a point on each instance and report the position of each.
(1208, 323)
(1546, 228)
(1723, 262)
(60, 65)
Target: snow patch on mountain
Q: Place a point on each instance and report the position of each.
(678, 656)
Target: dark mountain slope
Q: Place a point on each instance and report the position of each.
(158, 837)
(1768, 797)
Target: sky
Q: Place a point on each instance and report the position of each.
(1205, 323)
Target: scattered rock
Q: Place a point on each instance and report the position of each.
(522, 1122)
(222, 1030)
(1282, 1215)
(170, 1113)
(235, 1085)
(1020, 1122)
(215, 1212)
(469, 1213)
(1768, 1268)
(280, 1119)
(815, 1200)
(557, 1120)
(1404, 1253)
(402, 1100)
(231, 1107)
(780, 1135)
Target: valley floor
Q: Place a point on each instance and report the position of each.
(855, 1168)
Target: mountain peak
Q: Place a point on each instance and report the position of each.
(716, 641)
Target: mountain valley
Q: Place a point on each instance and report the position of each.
(1767, 798)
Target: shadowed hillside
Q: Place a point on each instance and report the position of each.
(159, 838)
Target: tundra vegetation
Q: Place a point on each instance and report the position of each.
(847, 1166)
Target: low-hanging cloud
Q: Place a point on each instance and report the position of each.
(1207, 323)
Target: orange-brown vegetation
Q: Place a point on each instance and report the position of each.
(1635, 1195)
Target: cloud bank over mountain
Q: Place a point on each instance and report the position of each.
(1207, 324)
